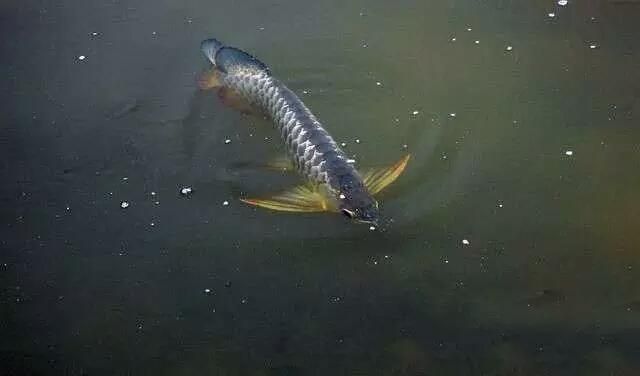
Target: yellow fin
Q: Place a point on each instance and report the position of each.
(281, 163)
(298, 199)
(378, 179)
(210, 79)
(234, 100)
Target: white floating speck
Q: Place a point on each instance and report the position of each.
(81, 57)
(568, 152)
(68, 208)
(261, 28)
(154, 33)
(124, 204)
(305, 91)
(364, 45)
(453, 114)
(357, 140)
(386, 256)
(207, 291)
(453, 39)
(415, 112)
(225, 203)
(153, 193)
(469, 29)
(446, 261)
(509, 48)
(378, 83)
(562, 2)
(351, 161)
(125, 179)
(465, 242)
(342, 196)
(372, 228)
(343, 144)
(477, 42)
(186, 190)
(500, 205)
(243, 301)
(405, 146)
(551, 14)
(95, 34)
(152, 224)
(227, 141)
(593, 46)
(157, 202)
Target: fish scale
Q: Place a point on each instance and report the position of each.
(315, 154)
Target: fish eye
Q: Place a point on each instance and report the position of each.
(348, 213)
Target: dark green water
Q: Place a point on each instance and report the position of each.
(512, 239)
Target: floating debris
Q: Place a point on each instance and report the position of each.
(568, 153)
(477, 42)
(81, 57)
(153, 193)
(124, 204)
(357, 140)
(152, 224)
(95, 34)
(343, 144)
(378, 83)
(500, 205)
(186, 191)
(509, 48)
(469, 29)
(227, 141)
(551, 15)
(405, 146)
(453, 114)
(415, 112)
(593, 46)
(225, 203)
(154, 33)
(372, 228)
(351, 161)
(453, 39)
(207, 291)
(465, 242)
(562, 2)
(342, 196)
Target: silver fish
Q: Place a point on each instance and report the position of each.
(334, 184)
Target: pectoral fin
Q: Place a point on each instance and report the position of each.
(299, 199)
(209, 79)
(378, 179)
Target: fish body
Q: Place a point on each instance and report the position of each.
(316, 156)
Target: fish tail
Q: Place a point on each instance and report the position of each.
(210, 47)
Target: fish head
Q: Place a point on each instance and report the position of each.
(355, 202)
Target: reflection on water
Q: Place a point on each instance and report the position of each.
(510, 243)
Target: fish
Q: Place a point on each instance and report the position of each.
(333, 184)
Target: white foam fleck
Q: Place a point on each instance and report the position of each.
(372, 228)
(477, 42)
(562, 2)
(551, 14)
(357, 140)
(453, 39)
(225, 203)
(465, 242)
(124, 204)
(415, 112)
(81, 57)
(186, 190)
(593, 46)
(453, 114)
(227, 141)
(509, 48)
(378, 83)
(568, 153)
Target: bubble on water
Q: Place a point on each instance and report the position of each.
(81, 57)
(551, 15)
(227, 141)
(593, 46)
(342, 196)
(186, 191)
(357, 140)
(378, 83)
(453, 39)
(95, 34)
(568, 153)
(372, 228)
(124, 204)
(351, 161)
(225, 203)
(477, 42)
(207, 291)
(465, 242)
(509, 48)
(415, 112)
(562, 2)
(343, 144)
(469, 29)
(152, 224)
(453, 114)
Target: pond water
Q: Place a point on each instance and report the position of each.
(510, 244)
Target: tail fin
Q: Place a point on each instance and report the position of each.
(210, 47)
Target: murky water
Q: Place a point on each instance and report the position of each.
(511, 243)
